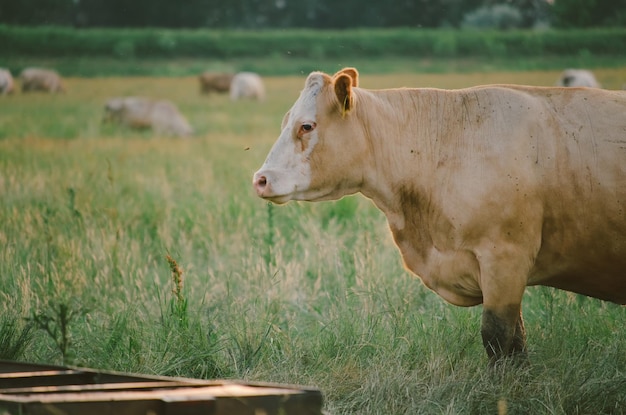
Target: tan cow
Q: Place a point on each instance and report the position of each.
(161, 116)
(487, 190)
(247, 85)
(577, 78)
(6, 82)
(38, 79)
(215, 82)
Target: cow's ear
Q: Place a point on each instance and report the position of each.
(352, 73)
(285, 119)
(343, 90)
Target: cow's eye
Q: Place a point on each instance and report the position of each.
(306, 127)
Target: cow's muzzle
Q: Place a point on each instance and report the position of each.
(260, 184)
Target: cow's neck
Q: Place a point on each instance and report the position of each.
(400, 134)
(397, 127)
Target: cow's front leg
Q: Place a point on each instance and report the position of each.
(503, 282)
(503, 331)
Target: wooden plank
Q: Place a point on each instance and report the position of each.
(130, 404)
(9, 366)
(94, 387)
(251, 399)
(36, 373)
(46, 378)
(52, 390)
(223, 391)
(100, 376)
(55, 399)
(228, 399)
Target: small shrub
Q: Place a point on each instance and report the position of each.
(56, 320)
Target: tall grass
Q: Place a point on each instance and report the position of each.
(303, 293)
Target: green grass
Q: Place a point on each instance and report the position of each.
(303, 293)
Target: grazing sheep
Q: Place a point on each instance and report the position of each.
(247, 85)
(38, 79)
(578, 77)
(161, 116)
(215, 82)
(6, 82)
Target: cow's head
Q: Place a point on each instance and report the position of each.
(317, 155)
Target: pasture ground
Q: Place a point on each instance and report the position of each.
(304, 293)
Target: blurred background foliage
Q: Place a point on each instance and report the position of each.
(129, 43)
(317, 14)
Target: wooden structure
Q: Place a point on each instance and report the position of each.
(34, 389)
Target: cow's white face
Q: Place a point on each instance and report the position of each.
(286, 173)
(313, 158)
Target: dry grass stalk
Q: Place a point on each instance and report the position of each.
(177, 277)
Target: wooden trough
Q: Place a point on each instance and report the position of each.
(33, 389)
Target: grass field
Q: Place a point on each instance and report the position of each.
(309, 294)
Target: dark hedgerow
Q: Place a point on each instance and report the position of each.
(220, 44)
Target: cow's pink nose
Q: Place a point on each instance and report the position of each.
(260, 183)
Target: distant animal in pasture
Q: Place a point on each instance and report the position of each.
(215, 82)
(162, 116)
(247, 85)
(578, 77)
(39, 79)
(6, 82)
(487, 190)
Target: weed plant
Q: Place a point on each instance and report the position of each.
(304, 293)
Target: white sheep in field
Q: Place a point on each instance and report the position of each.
(39, 79)
(162, 116)
(6, 82)
(578, 77)
(247, 85)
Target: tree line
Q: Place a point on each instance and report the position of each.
(317, 14)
